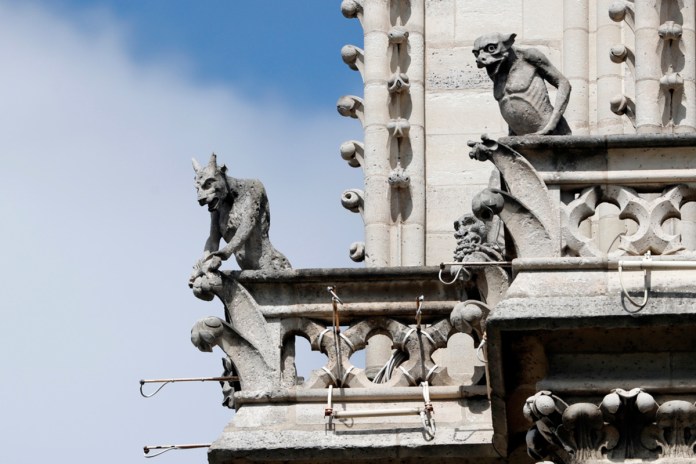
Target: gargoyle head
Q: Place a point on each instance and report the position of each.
(211, 183)
(491, 50)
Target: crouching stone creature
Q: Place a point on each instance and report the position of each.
(239, 214)
(518, 77)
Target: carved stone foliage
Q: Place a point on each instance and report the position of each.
(648, 214)
(567, 434)
(656, 55)
(626, 426)
(526, 209)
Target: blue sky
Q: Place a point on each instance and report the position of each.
(264, 48)
(102, 106)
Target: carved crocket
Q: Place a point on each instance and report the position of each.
(239, 214)
(518, 85)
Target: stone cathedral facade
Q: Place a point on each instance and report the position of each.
(528, 295)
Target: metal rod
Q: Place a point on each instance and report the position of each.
(165, 382)
(147, 449)
(377, 413)
(475, 263)
(192, 379)
(349, 395)
(664, 265)
(165, 448)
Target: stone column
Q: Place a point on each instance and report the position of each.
(648, 67)
(576, 58)
(688, 39)
(375, 21)
(609, 77)
(412, 246)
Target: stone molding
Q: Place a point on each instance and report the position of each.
(626, 425)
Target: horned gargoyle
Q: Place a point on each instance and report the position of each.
(518, 77)
(239, 214)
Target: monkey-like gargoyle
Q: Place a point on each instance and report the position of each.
(239, 214)
(518, 85)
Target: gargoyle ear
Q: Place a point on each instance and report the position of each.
(196, 164)
(509, 39)
(223, 169)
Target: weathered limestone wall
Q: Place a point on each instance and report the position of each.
(626, 62)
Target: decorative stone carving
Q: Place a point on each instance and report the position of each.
(626, 426)
(353, 200)
(518, 85)
(650, 215)
(631, 412)
(357, 251)
(244, 336)
(418, 345)
(472, 241)
(353, 152)
(476, 243)
(350, 106)
(469, 317)
(398, 178)
(248, 361)
(572, 434)
(240, 215)
(354, 57)
(526, 187)
(228, 386)
(352, 8)
(674, 431)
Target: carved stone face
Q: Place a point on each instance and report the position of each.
(211, 184)
(491, 50)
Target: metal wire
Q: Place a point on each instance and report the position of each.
(419, 313)
(165, 382)
(639, 305)
(165, 448)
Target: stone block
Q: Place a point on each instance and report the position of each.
(542, 20)
(501, 16)
(439, 247)
(452, 201)
(448, 161)
(454, 69)
(439, 22)
(463, 112)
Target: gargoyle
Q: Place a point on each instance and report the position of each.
(518, 85)
(239, 214)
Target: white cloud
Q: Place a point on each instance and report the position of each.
(100, 227)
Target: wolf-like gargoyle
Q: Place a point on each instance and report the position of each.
(239, 214)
